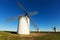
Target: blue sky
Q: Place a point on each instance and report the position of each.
(48, 13)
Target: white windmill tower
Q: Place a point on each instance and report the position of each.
(24, 21)
(24, 24)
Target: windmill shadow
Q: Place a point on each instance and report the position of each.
(12, 32)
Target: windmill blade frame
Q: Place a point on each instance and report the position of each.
(25, 11)
(35, 26)
(12, 18)
(21, 6)
(33, 13)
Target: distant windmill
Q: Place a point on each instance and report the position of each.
(24, 21)
(54, 28)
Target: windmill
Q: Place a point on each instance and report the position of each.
(24, 20)
(54, 28)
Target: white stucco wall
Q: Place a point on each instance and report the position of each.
(24, 27)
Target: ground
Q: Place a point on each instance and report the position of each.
(33, 36)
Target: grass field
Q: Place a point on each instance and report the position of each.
(32, 36)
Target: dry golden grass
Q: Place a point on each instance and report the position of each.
(32, 36)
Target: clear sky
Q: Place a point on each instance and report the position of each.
(48, 13)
